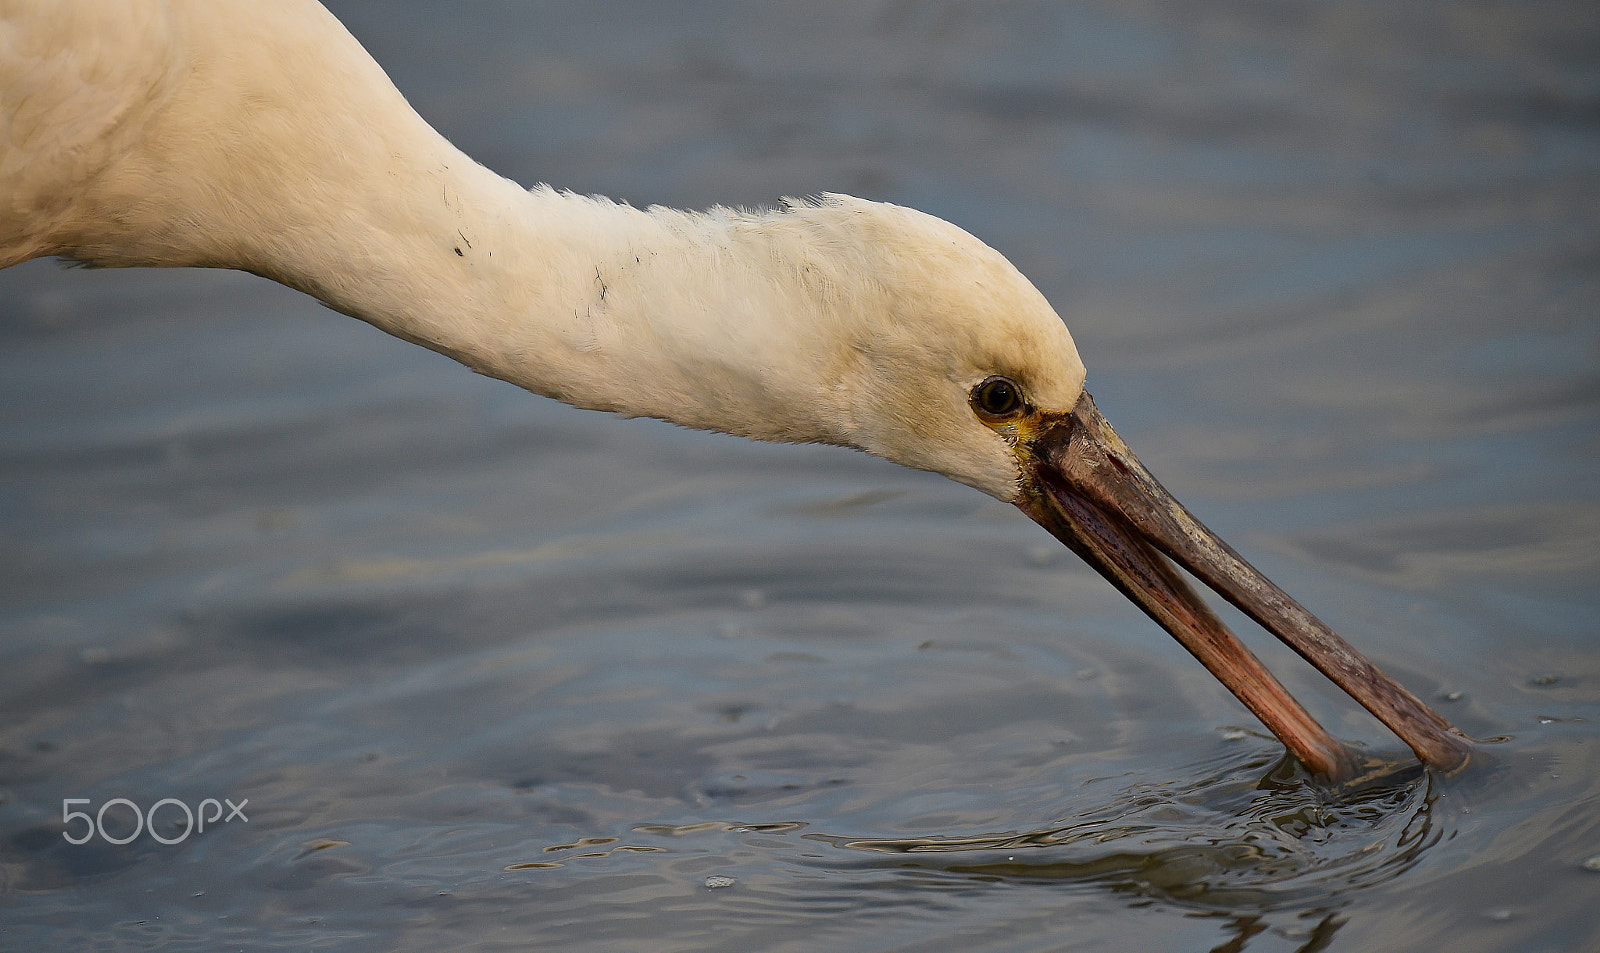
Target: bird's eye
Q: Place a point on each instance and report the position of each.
(997, 397)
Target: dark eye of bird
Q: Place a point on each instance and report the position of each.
(997, 397)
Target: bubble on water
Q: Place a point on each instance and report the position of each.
(717, 880)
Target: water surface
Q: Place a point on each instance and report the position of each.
(494, 673)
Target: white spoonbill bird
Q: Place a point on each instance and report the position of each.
(262, 137)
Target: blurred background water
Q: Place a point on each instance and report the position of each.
(494, 673)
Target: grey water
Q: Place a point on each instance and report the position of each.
(479, 671)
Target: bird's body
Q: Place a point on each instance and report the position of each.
(262, 137)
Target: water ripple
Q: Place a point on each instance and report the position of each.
(1253, 836)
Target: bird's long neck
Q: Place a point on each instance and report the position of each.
(705, 319)
(246, 162)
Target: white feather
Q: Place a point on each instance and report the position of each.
(261, 136)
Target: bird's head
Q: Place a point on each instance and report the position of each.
(947, 358)
(958, 365)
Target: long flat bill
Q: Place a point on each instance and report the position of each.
(1091, 492)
